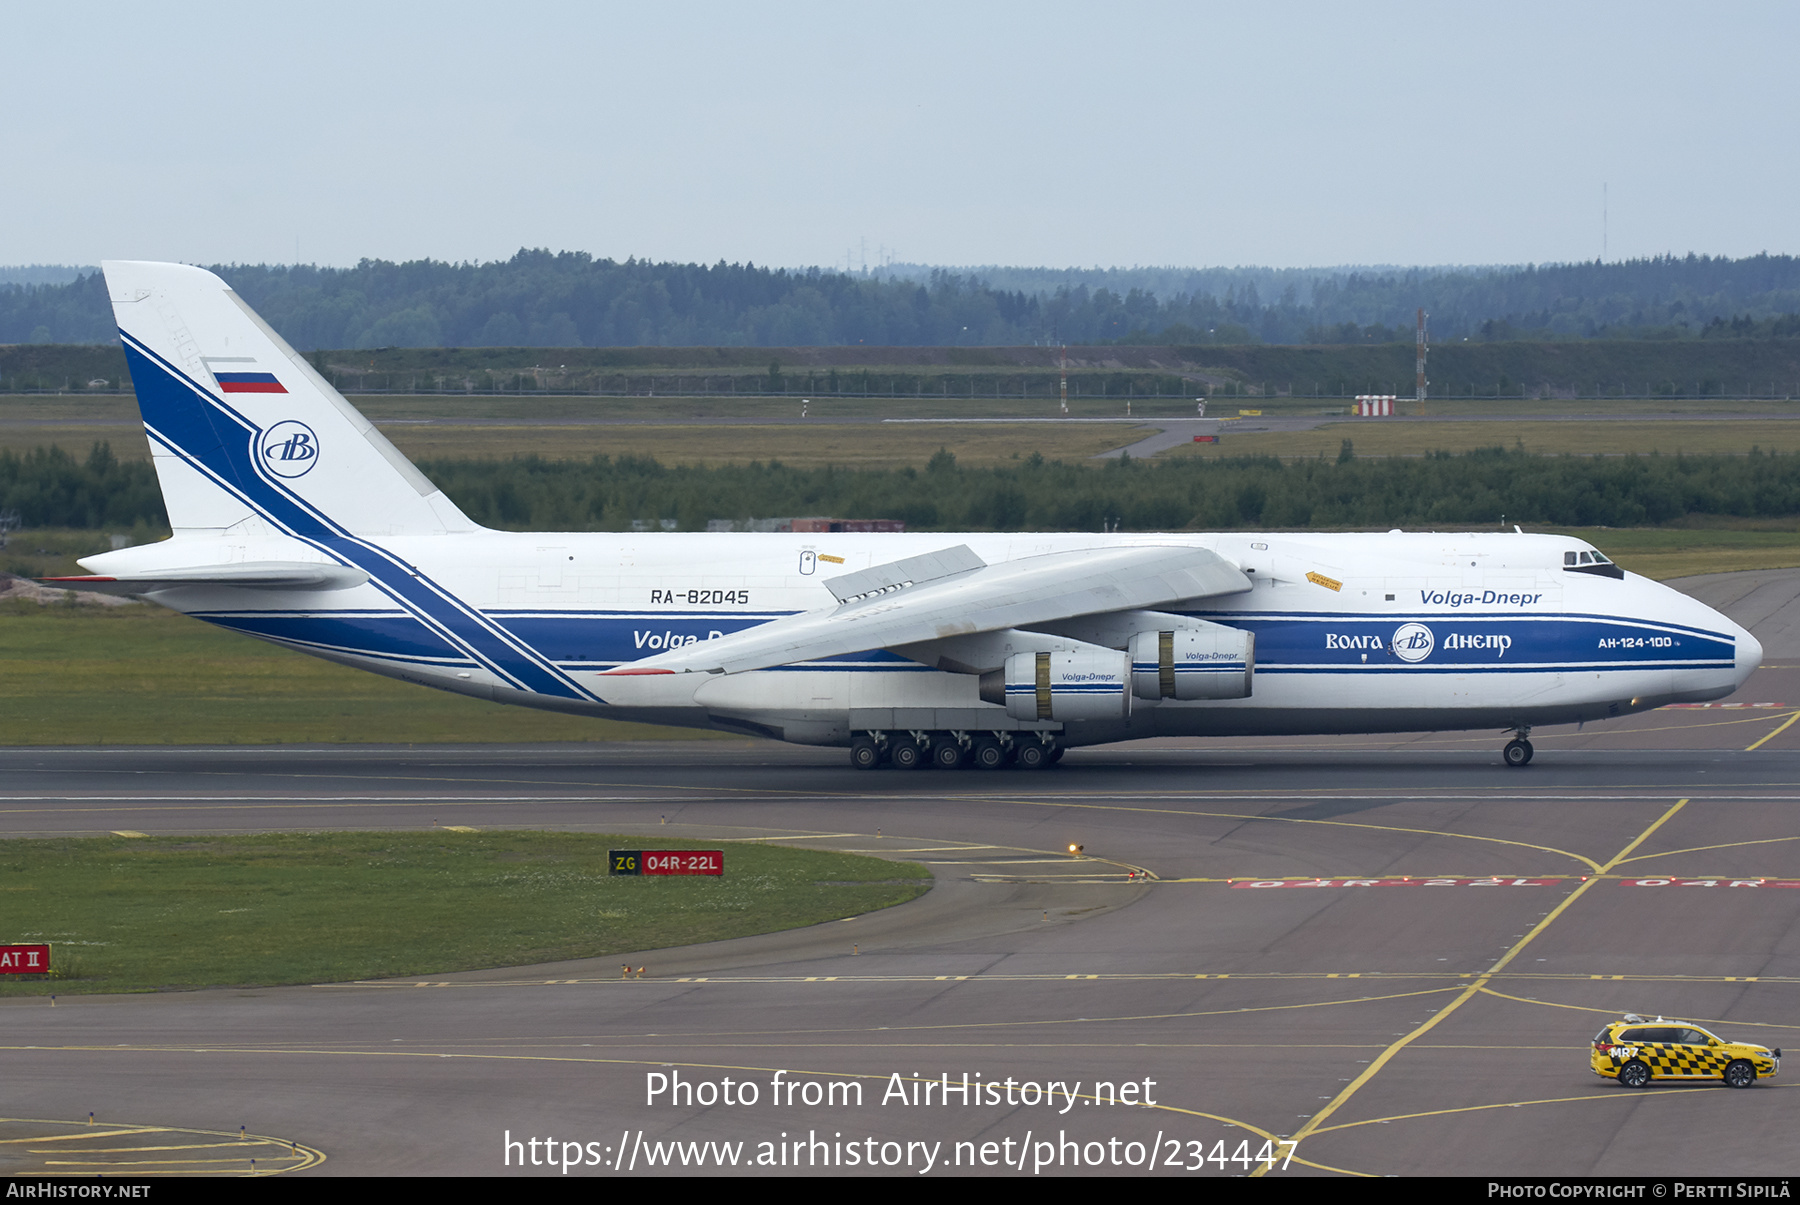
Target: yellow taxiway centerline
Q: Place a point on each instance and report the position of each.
(1337, 1102)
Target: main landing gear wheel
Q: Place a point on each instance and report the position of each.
(988, 754)
(1034, 755)
(907, 756)
(865, 754)
(1740, 1074)
(1636, 1075)
(1517, 752)
(947, 753)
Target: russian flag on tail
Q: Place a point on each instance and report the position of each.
(248, 382)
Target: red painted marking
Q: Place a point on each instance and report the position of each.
(1405, 882)
(248, 382)
(683, 861)
(78, 579)
(629, 673)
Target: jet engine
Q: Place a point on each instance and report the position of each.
(1086, 684)
(1210, 662)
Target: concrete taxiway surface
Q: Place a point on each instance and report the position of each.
(1394, 951)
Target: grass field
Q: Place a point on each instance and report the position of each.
(847, 446)
(52, 551)
(126, 438)
(450, 426)
(140, 675)
(1666, 552)
(106, 409)
(1371, 437)
(138, 914)
(877, 445)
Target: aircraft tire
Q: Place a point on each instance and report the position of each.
(1033, 755)
(988, 754)
(865, 754)
(947, 753)
(906, 755)
(1517, 753)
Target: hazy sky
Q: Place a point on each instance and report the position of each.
(956, 133)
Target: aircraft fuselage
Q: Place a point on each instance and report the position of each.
(1353, 632)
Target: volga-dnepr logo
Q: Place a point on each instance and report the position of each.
(1413, 642)
(289, 448)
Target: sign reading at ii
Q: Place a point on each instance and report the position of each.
(667, 861)
(24, 960)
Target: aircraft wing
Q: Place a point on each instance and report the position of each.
(890, 605)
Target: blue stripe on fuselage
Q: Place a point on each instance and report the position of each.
(567, 639)
(1508, 643)
(395, 635)
(1284, 644)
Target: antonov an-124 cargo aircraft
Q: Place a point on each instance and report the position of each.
(296, 521)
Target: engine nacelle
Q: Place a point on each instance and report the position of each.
(1080, 685)
(1213, 662)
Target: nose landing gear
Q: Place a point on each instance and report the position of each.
(1518, 751)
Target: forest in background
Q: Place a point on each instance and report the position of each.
(49, 487)
(545, 299)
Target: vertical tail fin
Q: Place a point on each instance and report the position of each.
(241, 426)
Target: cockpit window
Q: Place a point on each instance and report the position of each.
(1590, 561)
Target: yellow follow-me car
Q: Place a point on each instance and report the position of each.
(1636, 1050)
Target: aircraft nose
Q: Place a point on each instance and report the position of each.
(1749, 654)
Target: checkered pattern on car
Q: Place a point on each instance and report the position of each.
(1671, 1059)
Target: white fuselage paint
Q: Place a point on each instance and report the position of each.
(1422, 631)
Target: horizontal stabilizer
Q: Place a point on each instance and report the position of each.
(259, 575)
(1008, 595)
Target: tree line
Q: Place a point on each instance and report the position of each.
(1442, 489)
(570, 299)
(1663, 296)
(50, 488)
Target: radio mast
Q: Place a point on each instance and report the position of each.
(1419, 364)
